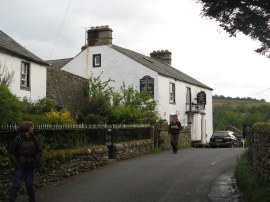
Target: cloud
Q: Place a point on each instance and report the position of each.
(199, 47)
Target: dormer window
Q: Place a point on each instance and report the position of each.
(97, 60)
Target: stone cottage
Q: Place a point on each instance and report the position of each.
(174, 91)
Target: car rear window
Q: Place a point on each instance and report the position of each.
(220, 133)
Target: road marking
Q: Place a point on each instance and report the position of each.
(213, 163)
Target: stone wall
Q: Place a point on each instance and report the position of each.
(184, 137)
(259, 151)
(65, 88)
(56, 165)
(132, 149)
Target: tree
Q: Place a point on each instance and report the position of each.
(96, 106)
(133, 106)
(10, 107)
(250, 17)
(5, 76)
(104, 105)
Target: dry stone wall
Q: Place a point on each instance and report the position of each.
(132, 149)
(259, 151)
(184, 137)
(56, 166)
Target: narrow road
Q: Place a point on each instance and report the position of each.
(188, 176)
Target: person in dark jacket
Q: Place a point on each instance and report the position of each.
(174, 130)
(25, 153)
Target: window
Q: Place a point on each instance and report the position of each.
(97, 60)
(172, 93)
(25, 75)
(188, 99)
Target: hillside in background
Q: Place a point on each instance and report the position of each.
(238, 111)
(221, 100)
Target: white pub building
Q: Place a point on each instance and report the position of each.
(174, 91)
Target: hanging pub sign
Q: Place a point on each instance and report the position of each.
(147, 83)
(201, 98)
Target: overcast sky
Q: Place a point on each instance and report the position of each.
(199, 46)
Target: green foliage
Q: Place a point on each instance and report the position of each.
(132, 106)
(103, 105)
(56, 158)
(261, 128)
(35, 111)
(95, 109)
(11, 109)
(237, 115)
(58, 117)
(248, 17)
(97, 106)
(41, 106)
(222, 97)
(253, 188)
(65, 141)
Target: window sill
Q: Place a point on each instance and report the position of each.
(25, 88)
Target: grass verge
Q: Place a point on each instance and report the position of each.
(254, 189)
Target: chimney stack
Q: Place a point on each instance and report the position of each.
(99, 35)
(163, 55)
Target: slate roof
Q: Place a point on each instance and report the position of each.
(159, 66)
(10, 46)
(58, 64)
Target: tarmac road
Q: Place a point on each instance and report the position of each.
(189, 176)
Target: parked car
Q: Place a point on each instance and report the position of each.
(225, 139)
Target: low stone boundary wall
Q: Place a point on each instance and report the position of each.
(259, 150)
(184, 137)
(126, 150)
(56, 165)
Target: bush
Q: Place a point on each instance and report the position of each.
(40, 106)
(127, 106)
(59, 117)
(253, 188)
(68, 140)
(11, 109)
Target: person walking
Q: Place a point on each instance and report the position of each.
(25, 154)
(174, 130)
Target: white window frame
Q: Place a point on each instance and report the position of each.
(25, 75)
(96, 63)
(172, 93)
(188, 99)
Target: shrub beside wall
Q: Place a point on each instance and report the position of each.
(259, 151)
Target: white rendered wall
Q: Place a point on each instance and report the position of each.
(38, 77)
(114, 65)
(165, 108)
(121, 68)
